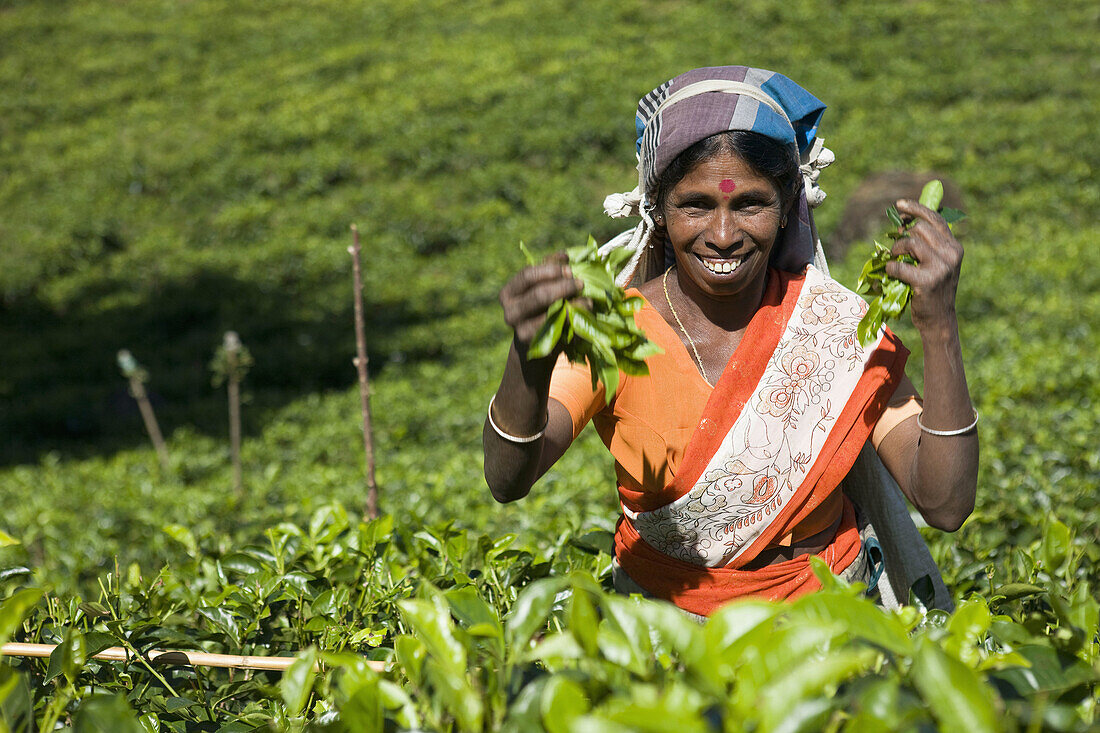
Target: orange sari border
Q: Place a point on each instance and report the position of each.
(703, 590)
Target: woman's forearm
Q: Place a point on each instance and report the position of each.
(944, 472)
(519, 408)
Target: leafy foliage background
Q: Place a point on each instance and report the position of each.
(172, 170)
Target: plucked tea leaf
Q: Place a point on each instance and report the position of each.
(932, 194)
(952, 216)
(892, 296)
(605, 336)
(894, 217)
(549, 332)
(527, 253)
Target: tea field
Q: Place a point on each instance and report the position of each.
(173, 170)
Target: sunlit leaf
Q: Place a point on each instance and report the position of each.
(530, 610)
(1057, 541)
(296, 684)
(956, 695)
(14, 608)
(563, 701)
(106, 713)
(432, 624)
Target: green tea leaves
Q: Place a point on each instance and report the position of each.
(932, 195)
(605, 335)
(892, 296)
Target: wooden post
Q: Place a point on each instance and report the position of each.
(232, 347)
(137, 376)
(361, 367)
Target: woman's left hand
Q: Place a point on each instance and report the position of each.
(935, 277)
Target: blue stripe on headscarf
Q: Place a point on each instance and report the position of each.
(803, 109)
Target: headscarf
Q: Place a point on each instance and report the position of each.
(705, 102)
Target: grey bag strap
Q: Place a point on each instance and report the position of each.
(909, 564)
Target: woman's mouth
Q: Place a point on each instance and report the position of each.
(721, 266)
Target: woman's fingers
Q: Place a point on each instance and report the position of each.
(527, 296)
(532, 275)
(911, 210)
(907, 273)
(938, 255)
(535, 301)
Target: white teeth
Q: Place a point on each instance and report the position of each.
(723, 267)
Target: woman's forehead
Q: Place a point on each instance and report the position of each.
(725, 171)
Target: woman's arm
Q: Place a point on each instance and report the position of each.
(521, 407)
(937, 473)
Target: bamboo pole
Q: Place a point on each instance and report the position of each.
(361, 367)
(174, 657)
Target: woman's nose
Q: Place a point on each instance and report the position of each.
(725, 230)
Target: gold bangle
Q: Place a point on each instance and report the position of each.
(508, 436)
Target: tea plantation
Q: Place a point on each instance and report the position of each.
(173, 170)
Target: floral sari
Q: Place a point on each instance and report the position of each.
(784, 425)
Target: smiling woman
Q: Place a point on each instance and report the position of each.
(737, 455)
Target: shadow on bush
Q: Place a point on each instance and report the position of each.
(60, 387)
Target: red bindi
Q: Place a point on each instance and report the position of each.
(727, 185)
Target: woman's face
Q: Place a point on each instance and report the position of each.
(722, 219)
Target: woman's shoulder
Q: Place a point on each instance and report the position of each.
(648, 290)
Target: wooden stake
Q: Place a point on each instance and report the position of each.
(232, 347)
(175, 658)
(136, 376)
(361, 366)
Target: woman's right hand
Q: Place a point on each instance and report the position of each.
(527, 296)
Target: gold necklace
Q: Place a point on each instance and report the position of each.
(664, 283)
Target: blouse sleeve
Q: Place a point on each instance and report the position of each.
(903, 404)
(571, 385)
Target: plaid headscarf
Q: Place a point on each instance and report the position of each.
(708, 101)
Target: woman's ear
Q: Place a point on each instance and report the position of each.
(659, 217)
(788, 207)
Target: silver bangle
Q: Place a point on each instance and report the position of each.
(949, 433)
(508, 436)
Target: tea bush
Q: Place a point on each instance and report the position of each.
(170, 171)
(479, 634)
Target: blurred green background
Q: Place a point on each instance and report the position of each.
(172, 170)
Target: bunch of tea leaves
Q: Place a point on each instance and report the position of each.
(892, 296)
(604, 335)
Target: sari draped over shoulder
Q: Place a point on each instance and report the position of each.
(785, 423)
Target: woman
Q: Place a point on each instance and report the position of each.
(730, 455)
